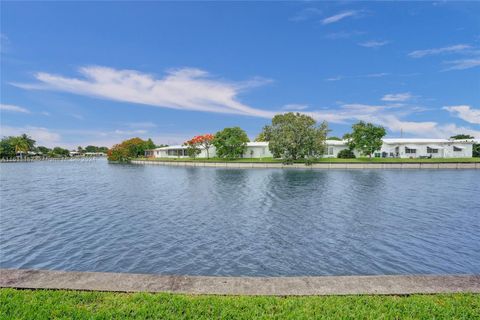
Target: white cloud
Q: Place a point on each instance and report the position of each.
(339, 16)
(336, 78)
(194, 89)
(376, 75)
(185, 89)
(293, 106)
(13, 108)
(370, 75)
(428, 52)
(77, 116)
(465, 113)
(397, 97)
(43, 136)
(146, 124)
(4, 43)
(343, 34)
(305, 14)
(462, 64)
(373, 44)
(130, 132)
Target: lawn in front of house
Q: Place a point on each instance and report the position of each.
(51, 304)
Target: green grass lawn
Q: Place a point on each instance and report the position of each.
(51, 304)
(322, 160)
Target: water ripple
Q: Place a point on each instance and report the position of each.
(212, 221)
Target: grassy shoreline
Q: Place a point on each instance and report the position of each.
(322, 160)
(48, 304)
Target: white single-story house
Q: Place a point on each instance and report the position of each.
(391, 148)
(254, 150)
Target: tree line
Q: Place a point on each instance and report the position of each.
(24, 146)
(291, 137)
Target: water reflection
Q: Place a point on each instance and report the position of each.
(210, 221)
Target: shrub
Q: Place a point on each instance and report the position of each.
(129, 149)
(346, 154)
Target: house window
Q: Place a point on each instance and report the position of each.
(457, 149)
(330, 151)
(431, 150)
(378, 154)
(408, 150)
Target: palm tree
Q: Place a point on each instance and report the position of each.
(21, 145)
(29, 141)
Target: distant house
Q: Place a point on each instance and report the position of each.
(391, 148)
(254, 150)
(412, 148)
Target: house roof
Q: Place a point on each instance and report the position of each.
(421, 140)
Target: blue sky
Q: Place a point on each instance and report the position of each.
(99, 72)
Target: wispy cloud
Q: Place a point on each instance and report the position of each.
(369, 75)
(43, 136)
(397, 97)
(185, 89)
(13, 108)
(465, 112)
(436, 51)
(373, 44)
(4, 43)
(343, 34)
(146, 124)
(130, 132)
(77, 116)
(297, 107)
(339, 16)
(194, 89)
(305, 14)
(462, 64)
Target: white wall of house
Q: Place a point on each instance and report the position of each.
(398, 148)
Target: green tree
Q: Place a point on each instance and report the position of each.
(7, 149)
(91, 149)
(29, 141)
(366, 138)
(462, 137)
(20, 145)
(264, 135)
(128, 149)
(295, 136)
(61, 152)
(193, 150)
(43, 150)
(118, 153)
(334, 138)
(476, 150)
(149, 144)
(230, 143)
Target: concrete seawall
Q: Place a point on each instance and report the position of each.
(325, 165)
(327, 285)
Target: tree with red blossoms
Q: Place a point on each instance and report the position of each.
(204, 141)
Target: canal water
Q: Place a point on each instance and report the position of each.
(96, 216)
